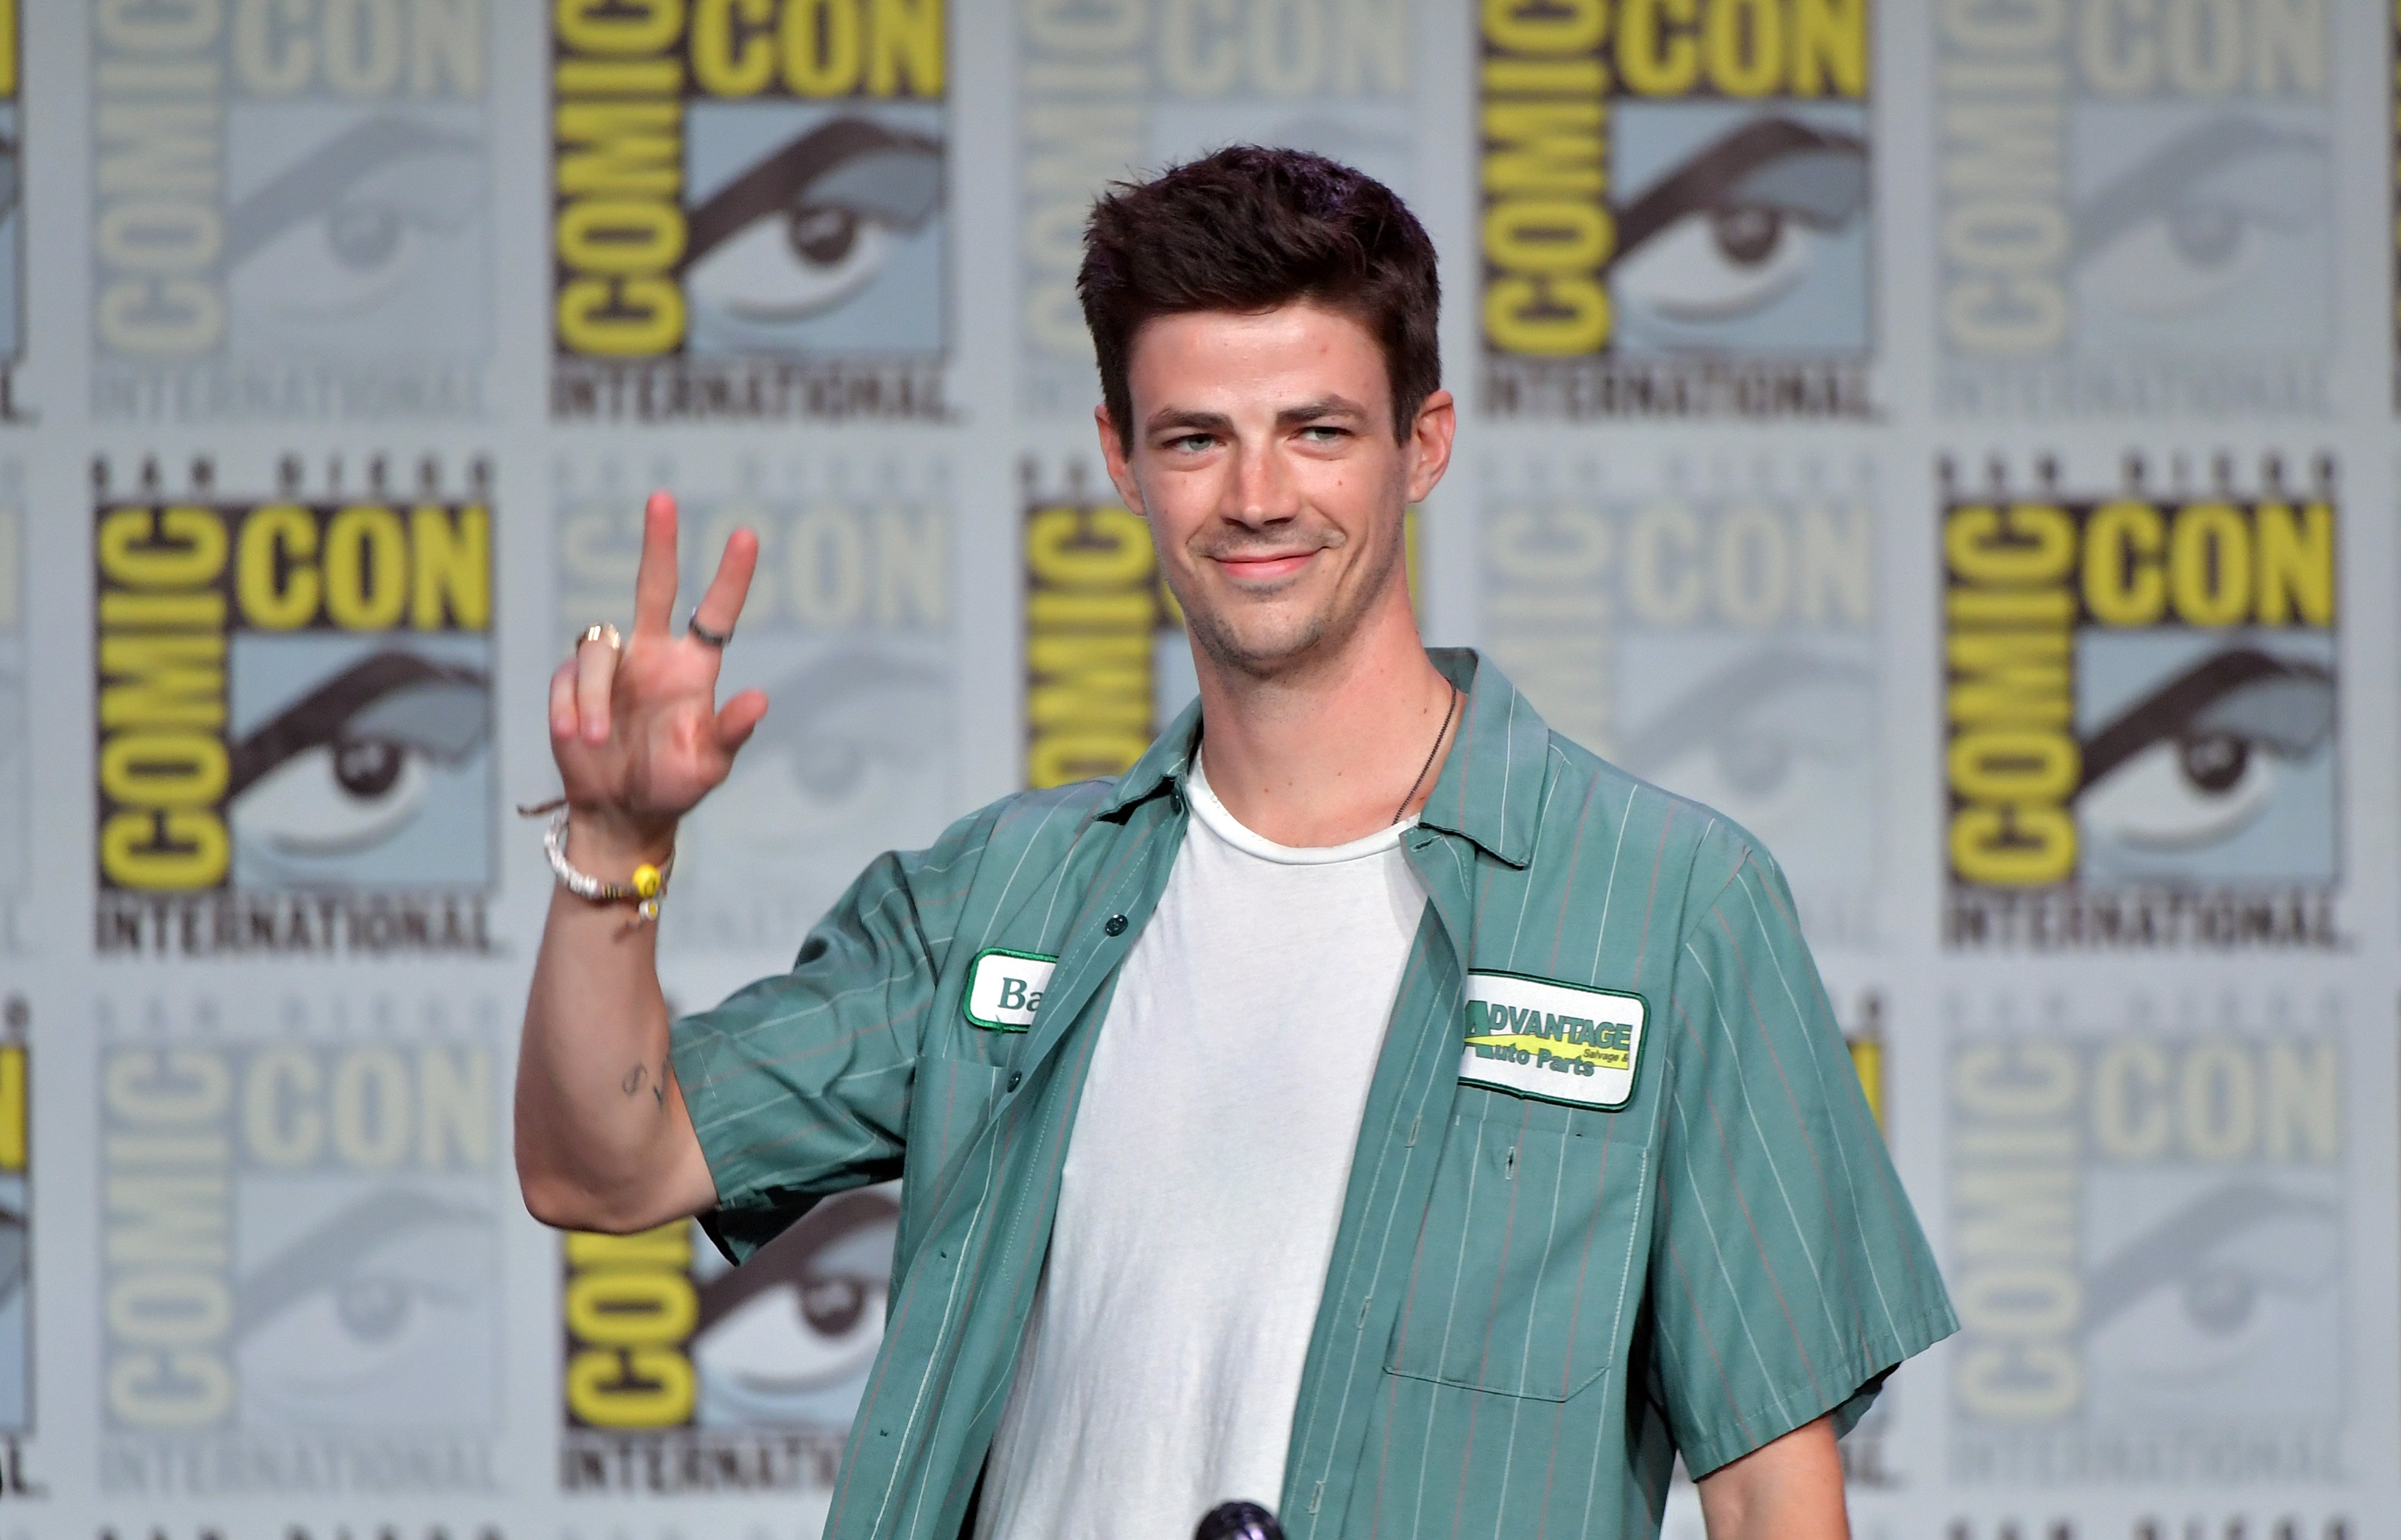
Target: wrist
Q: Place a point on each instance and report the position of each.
(610, 847)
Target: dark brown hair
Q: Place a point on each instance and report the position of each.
(1248, 229)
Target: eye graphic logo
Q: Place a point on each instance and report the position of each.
(1748, 232)
(1675, 211)
(292, 212)
(2137, 209)
(848, 628)
(686, 1374)
(294, 719)
(750, 211)
(332, 1199)
(1107, 92)
(2141, 705)
(1720, 643)
(2176, 1202)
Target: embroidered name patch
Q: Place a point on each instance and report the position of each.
(1005, 988)
(1537, 1039)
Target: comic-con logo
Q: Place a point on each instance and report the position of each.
(750, 209)
(12, 201)
(15, 1238)
(1126, 88)
(2136, 207)
(2140, 742)
(2146, 1254)
(1720, 642)
(1674, 204)
(299, 1257)
(293, 715)
(1107, 662)
(684, 1373)
(848, 628)
(290, 210)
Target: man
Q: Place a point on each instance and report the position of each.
(1370, 1103)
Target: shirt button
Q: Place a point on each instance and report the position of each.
(1016, 1078)
(1115, 925)
(1175, 801)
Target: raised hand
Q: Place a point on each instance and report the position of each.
(637, 732)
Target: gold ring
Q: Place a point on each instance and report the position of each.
(604, 631)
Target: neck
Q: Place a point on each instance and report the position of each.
(1324, 754)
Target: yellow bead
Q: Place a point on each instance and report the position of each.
(646, 880)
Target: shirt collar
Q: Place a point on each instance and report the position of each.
(1490, 788)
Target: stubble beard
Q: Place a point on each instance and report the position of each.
(1277, 647)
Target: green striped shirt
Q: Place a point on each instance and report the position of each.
(1568, 1250)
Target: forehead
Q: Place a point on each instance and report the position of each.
(1222, 359)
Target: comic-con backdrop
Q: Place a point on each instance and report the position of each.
(1955, 439)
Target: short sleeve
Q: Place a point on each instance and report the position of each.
(1788, 1272)
(798, 1085)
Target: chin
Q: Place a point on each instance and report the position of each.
(1260, 646)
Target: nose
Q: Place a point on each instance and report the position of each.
(1262, 492)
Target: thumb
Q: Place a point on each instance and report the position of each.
(738, 718)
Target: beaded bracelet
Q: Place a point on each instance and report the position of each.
(650, 883)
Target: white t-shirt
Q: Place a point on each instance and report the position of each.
(1203, 1184)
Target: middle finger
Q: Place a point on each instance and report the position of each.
(596, 671)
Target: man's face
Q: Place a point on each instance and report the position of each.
(1264, 458)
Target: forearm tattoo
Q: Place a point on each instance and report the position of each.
(639, 1074)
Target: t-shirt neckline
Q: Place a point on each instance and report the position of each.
(1226, 826)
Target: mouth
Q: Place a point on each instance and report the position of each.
(1263, 568)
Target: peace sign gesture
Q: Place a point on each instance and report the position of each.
(636, 726)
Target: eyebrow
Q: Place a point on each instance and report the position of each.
(1290, 416)
(906, 174)
(321, 716)
(2176, 705)
(1709, 176)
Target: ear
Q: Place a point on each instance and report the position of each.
(1113, 455)
(1428, 445)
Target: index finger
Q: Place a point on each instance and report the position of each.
(654, 581)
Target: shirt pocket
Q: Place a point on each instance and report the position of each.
(950, 1101)
(1526, 1260)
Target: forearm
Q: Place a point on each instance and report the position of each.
(1788, 1489)
(603, 1139)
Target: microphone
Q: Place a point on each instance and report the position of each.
(1239, 1522)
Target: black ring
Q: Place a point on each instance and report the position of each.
(702, 633)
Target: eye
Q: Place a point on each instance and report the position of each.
(2225, 1305)
(342, 1321)
(1716, 264)
(796, 1339)
(2178, 262)
(1767, 734)
(788, 267)
(2182, 793)
(2199, 219)
(365, 215)
(811, 223)
(336, 798)
(1737, 221)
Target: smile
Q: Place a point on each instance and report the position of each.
(1262, 568)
